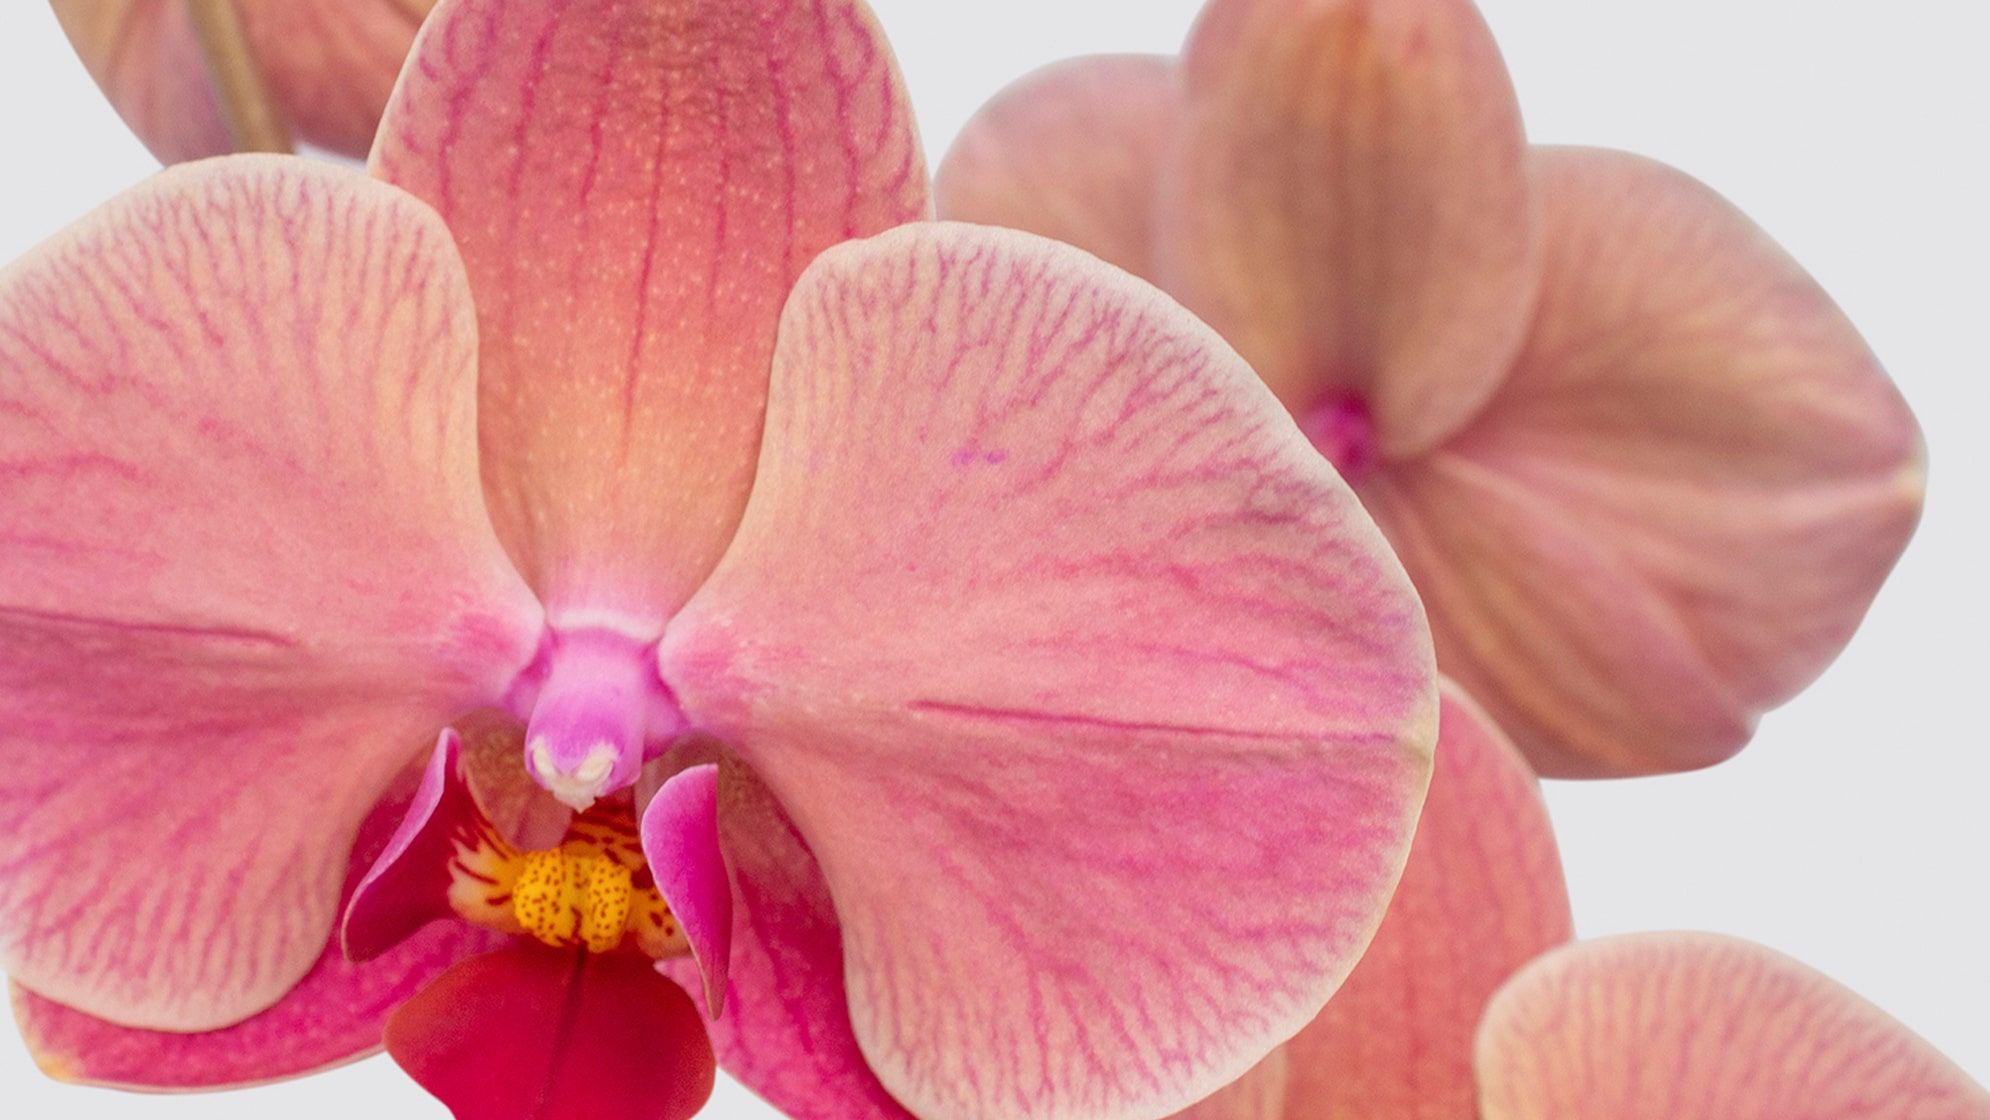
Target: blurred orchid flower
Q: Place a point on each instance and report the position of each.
(1482, 896)
(1644, 473)
(1656, 1026)
(198, 78)
(1694, 1026)
(931, 612)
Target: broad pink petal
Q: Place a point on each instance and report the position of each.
(681, 842)
(243, 575)
(329, 65)
(1039, 594)
(786, 1029)
(1347, 204)
(1686, 1026)
(333, 1016)
(530, 1033)
(635, 187)
(1481, 896)
(1072, 152)
(1677, 511)
(1261, 1094)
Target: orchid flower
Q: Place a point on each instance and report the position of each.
(1644, 473)
(892, 632)
(1482, 896)
(1655, 1026)
(198, 78)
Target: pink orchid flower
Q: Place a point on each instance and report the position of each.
(1469, 1005)
(1655, 1026)
(932, 613)
(197, 78)
(1644, 473)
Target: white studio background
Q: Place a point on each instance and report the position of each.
(1853, 833)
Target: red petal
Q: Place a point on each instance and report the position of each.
(528, 1033)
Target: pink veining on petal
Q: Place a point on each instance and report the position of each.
(635, 187)
(334, 1015)
(681, 841)
(1015, 701)
(1684, 1026)
(238, 513)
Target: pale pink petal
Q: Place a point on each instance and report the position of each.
(1347, 204)
(1072, 152)
(786, 1030)
(1482, 895)
(635, 186)
(1694, 1026)
(681, 842)
(1677, 511)
(333, 1016)
(1039, 595)
(328, 64)
(243, 575)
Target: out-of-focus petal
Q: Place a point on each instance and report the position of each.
(530, 1033)
(328, 64)
(1347, 203)
(1072, 152)
(635, 185)
(1040, 594)
(1679, 508)
(786, 1029)
(333, 1016)
(244, 572)
(1481, 896)
(1684, 1026)
(681, 842)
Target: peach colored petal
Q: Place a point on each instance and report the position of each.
(1347, 203)
(1039, 594)
(244, 574)
(1693, 1026)
(1684, 500)
(329, 65)
(1071, 152)
(1481, 896)
(635, 186)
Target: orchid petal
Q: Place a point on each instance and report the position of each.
(528, 1033)
(329, 65)
(1679, 508)
(1038, 595)
(681, 842)
(1481, 896)
(635, 186)
(1261, 1094)
(334, 1015)
(243, 570)
(1071, 152)
(1347, 204)
(1682, 1026)
(407, 885)
(786, 1031)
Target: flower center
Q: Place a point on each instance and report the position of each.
(593, 890)
(1343, 431)
(595, 709)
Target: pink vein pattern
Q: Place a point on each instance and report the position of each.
(244, 575)
(1037, 581)
(634, 189)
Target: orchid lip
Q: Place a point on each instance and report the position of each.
(596, 713)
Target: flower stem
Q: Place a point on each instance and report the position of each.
(251, 114)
